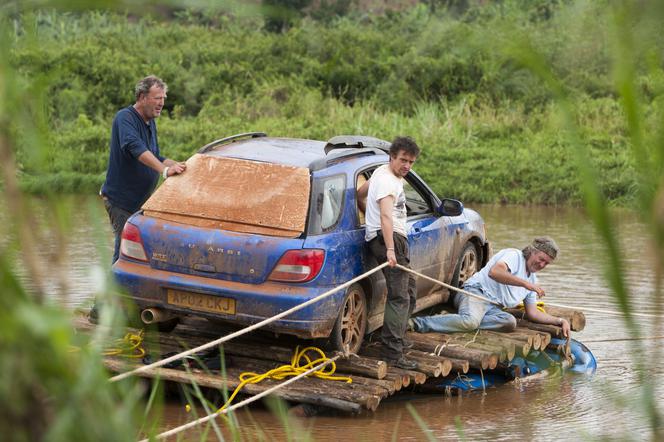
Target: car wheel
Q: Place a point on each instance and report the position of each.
(351, 324)
(467, 265)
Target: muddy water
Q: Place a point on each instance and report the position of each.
(557, 408)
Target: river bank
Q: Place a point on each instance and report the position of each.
(490, 128)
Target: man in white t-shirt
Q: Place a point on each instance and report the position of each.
(386, 234)
(507, 279)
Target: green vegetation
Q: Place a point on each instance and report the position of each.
(488, 127)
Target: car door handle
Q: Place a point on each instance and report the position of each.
(207, 268)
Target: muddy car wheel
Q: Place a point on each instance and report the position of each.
(348, 331)
(467, 265)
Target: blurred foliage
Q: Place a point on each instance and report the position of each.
(443, 77)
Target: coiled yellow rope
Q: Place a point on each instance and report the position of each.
(540, 306)
(130, 346)
(300, 362)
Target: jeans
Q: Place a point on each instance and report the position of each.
(118, 219)
(473, 314)
(401, 295)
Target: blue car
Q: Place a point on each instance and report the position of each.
(257, 225)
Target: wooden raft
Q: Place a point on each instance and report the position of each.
(438, 355)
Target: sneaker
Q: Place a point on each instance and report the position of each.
(406, 364)
(411, 325)
(407, 344)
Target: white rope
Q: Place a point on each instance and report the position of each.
(644, 338)
(244, 330)
(247, 401)
(451, 287)
(595, 310)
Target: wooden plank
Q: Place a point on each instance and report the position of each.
(234, 194)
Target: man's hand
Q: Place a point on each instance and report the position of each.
(535, 288)
(176, 168)
(565, 326)
(391, 257)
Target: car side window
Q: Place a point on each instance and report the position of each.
(333, 193)
(416, 204)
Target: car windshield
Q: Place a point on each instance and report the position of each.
(236, 195)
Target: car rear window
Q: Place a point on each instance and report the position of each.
(236, 195)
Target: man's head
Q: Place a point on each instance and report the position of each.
(540, 253)
(150, 97)
(403, 153)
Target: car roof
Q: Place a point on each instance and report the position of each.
(312, 154)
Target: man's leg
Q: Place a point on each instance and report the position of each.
(118, 218)
(398, 303)
(469, 317)
(497, 319)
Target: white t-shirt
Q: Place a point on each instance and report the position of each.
(381, 184)
(508, 295)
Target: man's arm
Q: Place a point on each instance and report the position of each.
(501, 273)
(362, 193)
(150, 160)
(386, 204)
(536, 315)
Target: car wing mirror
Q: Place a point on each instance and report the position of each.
(450, 207)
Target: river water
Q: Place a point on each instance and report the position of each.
(567, 408)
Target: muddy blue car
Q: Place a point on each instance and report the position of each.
(258, 225)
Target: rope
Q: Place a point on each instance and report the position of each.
(459, 290)
(130, 346)
(293, 369)
(241, 404)
(538, 304)
(451, 287)
(245, 330)
(644, 338)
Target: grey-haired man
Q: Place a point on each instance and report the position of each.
(508, 279)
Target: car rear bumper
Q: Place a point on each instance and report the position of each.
(253, 302)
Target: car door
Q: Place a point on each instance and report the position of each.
(431, 239)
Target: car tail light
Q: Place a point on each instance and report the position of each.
(131, 245)
(298, 265)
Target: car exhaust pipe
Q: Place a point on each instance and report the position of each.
(152, 315)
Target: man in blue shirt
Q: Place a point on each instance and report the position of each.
(507, 280)
(135, 163)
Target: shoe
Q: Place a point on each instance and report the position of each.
(407, 344)
(406, 364)
(411, 325)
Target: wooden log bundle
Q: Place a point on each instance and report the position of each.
(434, 343)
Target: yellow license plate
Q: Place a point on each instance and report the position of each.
(204, 303)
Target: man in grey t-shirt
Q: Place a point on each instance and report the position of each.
(508, 279)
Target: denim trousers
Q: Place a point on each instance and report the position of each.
(472, 314)
(401, 295)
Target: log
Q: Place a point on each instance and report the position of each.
(355, 364)
(431, 342)
(576, 318)
(536, 336)
(415, 377)
(521, 346)
(424, 365)
(400, 380)
(504, 353)
(445, 364)
(212, 381)
(553, 330)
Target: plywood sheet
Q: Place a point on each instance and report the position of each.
(237, 195)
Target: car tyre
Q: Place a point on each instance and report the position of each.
(351, 324)
(467, 265)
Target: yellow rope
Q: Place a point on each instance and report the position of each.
(295, 368)
(130, 346)
(540, 306)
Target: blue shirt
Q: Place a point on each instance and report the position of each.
(507, 295)
(129, 183)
